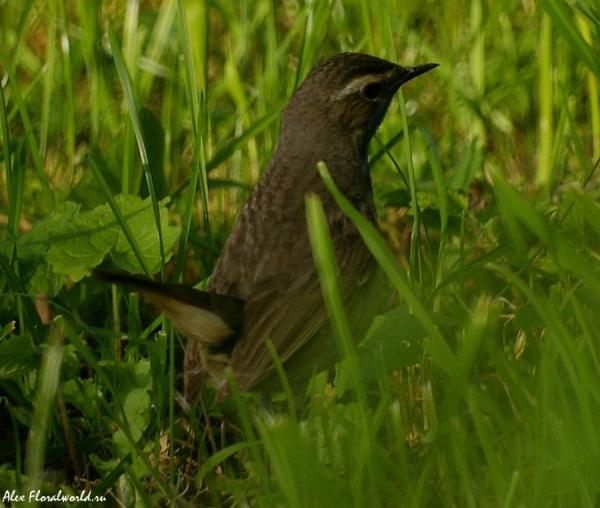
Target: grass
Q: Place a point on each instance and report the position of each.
(483, 387)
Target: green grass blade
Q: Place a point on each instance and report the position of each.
(287, 389)
(518, 208)
(46, 387)
(15, 179)
(564, 22)
(594, 93)
(575, 137)
(442, 201)
(188, 60)
(198, 174)
(89, 19)
(328, 271)
(545, 169)
(29, 314)
(21, 26)
(416, 267)
(69, 88)
(256, 128)
(33, 145)
(436, 346)
(139, 135)
(326, 263)
(119, 216)
(48, 80)
(158, 43)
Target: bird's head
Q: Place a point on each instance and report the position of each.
(349, 94)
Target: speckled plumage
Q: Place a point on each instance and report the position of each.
(267, 261)
(265, 284)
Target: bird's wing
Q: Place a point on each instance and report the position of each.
(291, 314)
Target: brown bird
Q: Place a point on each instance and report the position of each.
(265, 284)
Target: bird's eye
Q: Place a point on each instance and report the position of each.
(371, 91)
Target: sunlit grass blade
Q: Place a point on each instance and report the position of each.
(252, 131)
(545, 171)
(50, 67)
(220, 456)
(69, 91)
(416, 261)
(89, 20)
(565, 22)
(302, 477)
(442, 201)
(287, 390)
(198, 174)
(31, 140)
(326, 263)
(316, 23)
(328, 271)
(158, 43)
(21, 26)
(189, 64)
(578, 144)
(6, 148)
(485, 435)
(46, 387)
(15, 180)
(194, 63)
(137, 128)
(594, 94)
(467, 350)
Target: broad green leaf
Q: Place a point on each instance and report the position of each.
(68, 242)
(83, 395)
(18, 356)
(135, 383)
(393, 342)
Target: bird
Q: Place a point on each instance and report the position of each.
(264, 284)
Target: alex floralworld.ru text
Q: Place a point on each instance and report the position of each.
(60, 496)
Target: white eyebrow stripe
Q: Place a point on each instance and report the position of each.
(356, 85)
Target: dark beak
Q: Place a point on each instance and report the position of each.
(408, 73)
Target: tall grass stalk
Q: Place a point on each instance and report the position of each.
(139, 136)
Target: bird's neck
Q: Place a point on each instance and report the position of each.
(343, 153)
